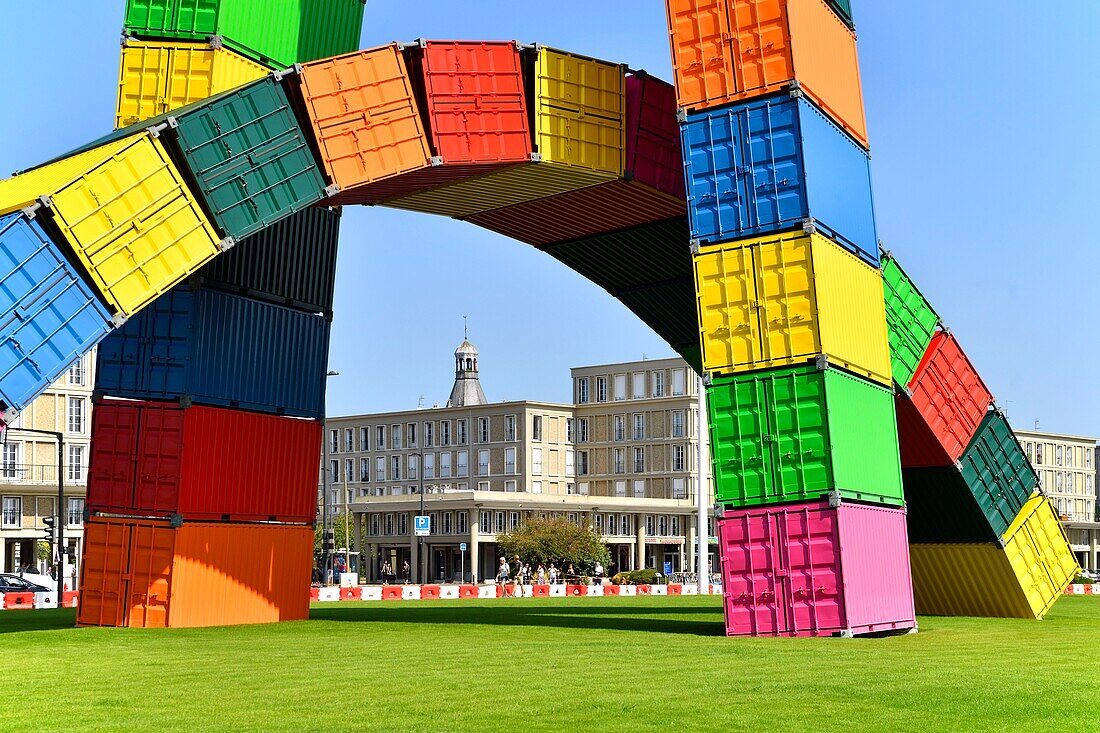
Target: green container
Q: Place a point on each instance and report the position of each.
(249, 158)
(910, 321)
(997, 472)
(843, 8)
(796, 435)
(278, 33)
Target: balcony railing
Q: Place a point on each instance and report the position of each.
(29, 473)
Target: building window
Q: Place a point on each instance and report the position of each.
(510, 428)
(662, 525)
(444, 465)
(679, 490)
(536, 427)
(334, 441)
(619, 461)
(570, 466)
(411, 466)
(677, 458)
(620, 428)
(536, 461)
(582, 463)
(380, 437)
(568, 430)
(380, 469)
(536, 487)
(675, 526)
(76, 373)
(679, 382)
(582, 430)
(1038, 454)
(639, 489)
(650, 525)
(389, 525)
(448, 523)
(483, 430)
(620, 387)
(461, 520)
(658, 384)
(582, 488)
(483, 463)
(402, 524)
(624, 525)
(601, 389)
(1058, 481)
(463, 464)
(582, 391)
(460, 431)
(13, 511)
(485, 522)
(599, 524)
(349, 470)
(9, 467)
(499, 516)
(429, 465)
(639, 427)
(364, 470)
(395, 468)
(510, 461)
(639, 385)
(334, 467)
(364, 439)
(678, 424)
(620, 488)
(639, 460)
(76, 414)
(395, 437)
(1058, 455)
(410, 434)
(1069, 456)
(349, 440)
(509, 487)
(429, 435)
(445, 432)
(76, 463)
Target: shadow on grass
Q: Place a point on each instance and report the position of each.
(16, 622)
(613, 617)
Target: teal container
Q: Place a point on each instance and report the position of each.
(799, 434)
(997, 472)
(911, 322)
(843, 8)
(277, 33)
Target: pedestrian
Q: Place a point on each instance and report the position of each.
(570, 574)
(599, 574)
(517, 578)
(502, 577)
(553, 573)
(540, 575)
(405, 571)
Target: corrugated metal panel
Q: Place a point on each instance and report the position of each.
(782, 300)
(942, 508)
(911, 320)
(947, 403)
(146, 574)
(195, 19)
(155, 459)
(329, 28)
(727, 51)
(365, 117)
(653, 153)
(997, 472)
(49, 317)
(843, 8)
(1039, 552)
(249, 157)
(966, 580)
(878, 583)
(126, 214)
(291, 263)
(799, 433)
(157, 77)
(770, 165)
(588, 212)
(219, 349)
(666, 307)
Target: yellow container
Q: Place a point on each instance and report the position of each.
(580, 138)
(157, 77)
(125, 212)
(786, 299)
(1021, 580)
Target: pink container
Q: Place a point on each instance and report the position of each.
(816, 570)
(653, 152)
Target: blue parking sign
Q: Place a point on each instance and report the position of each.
(422, 526)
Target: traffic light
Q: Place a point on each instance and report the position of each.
(49, 522)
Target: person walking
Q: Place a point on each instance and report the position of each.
(553, 573)
(598, 579)
(517, 578)
(405, 572)
(502, 577)
(540, 575)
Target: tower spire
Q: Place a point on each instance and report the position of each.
(467, 388)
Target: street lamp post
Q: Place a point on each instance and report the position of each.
(62, 551)
(420, 560)
(328, 539)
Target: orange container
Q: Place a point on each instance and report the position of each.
(149, 574)
(726, 51)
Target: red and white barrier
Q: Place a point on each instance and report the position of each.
(1083, 590)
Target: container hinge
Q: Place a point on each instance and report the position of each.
(809, 227)
(1002, 542)
(536, 157)
(31, 211)
(908, 392)
(9, 416)
(822, 362)
(681, 114)
(119, 319)
(175, 521)
(437, 160)
(332, 190)
(695, 246)
(227, 244)
(125, 40)
(291, 71)
(847, 634)
(216, 42)
(185, 401)
(173, 122)
(945, 328)
(882, 249)
(796, 89)
(402, 45)
(959, 465)
(519, 46)
(156, 130)
(719, 511)
(97, 396)
(835, 499)
(46, 202)
(708, 379)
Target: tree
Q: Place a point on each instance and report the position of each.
(344, 537)
(555, 541)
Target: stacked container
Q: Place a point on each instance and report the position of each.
(183, 533)
(792, 319)
(985, 539)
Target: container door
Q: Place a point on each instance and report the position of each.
(787, 305)
(910, 319)
(809, 542)
(759, 45)
(729, 308)
(159, 460)
(104, 576)
(165, 344)
(716, 175)
(653, 153)
(997, 472)
(749, 546)
(772, 153)
(193, 18)
(701, 51)
(151, 558)
(114, 442)
(740, 431)
(798, 438)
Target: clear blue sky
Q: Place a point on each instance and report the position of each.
(986, 164)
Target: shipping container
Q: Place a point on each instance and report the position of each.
(816, 570)
(998, 472)
(49, 317)
(291, 263)
(278, 33)
(668, 308)
(213, 348)
(125, 213)
(149, 574)
(776, 164)
(785, 299)
(799, 434)
(651, 190)
(910, 318)
(942, 407)
(1022, 579)
(157, 459)
(728, 51)
(579, 127)
(843, 8)
(158, 77)
(942, 509)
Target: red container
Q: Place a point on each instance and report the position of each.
(155, 459)
(816, 570)
(652, 188)
(943, 406)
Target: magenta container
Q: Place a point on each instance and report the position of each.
(816, 570)
(653, 151)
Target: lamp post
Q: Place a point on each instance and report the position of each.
(328, 541)
(62, 551)
(701, 481)
(420, 559)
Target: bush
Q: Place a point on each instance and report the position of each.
(635, 577)
(545, 541)
(1082, 580)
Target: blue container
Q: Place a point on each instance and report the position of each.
(50, 316)
(777, 164)
(214, 348)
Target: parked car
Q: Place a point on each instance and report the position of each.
(14, 584)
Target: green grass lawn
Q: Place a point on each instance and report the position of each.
(606, 664)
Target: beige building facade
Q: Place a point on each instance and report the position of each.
(28, 470)
(623, 466)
